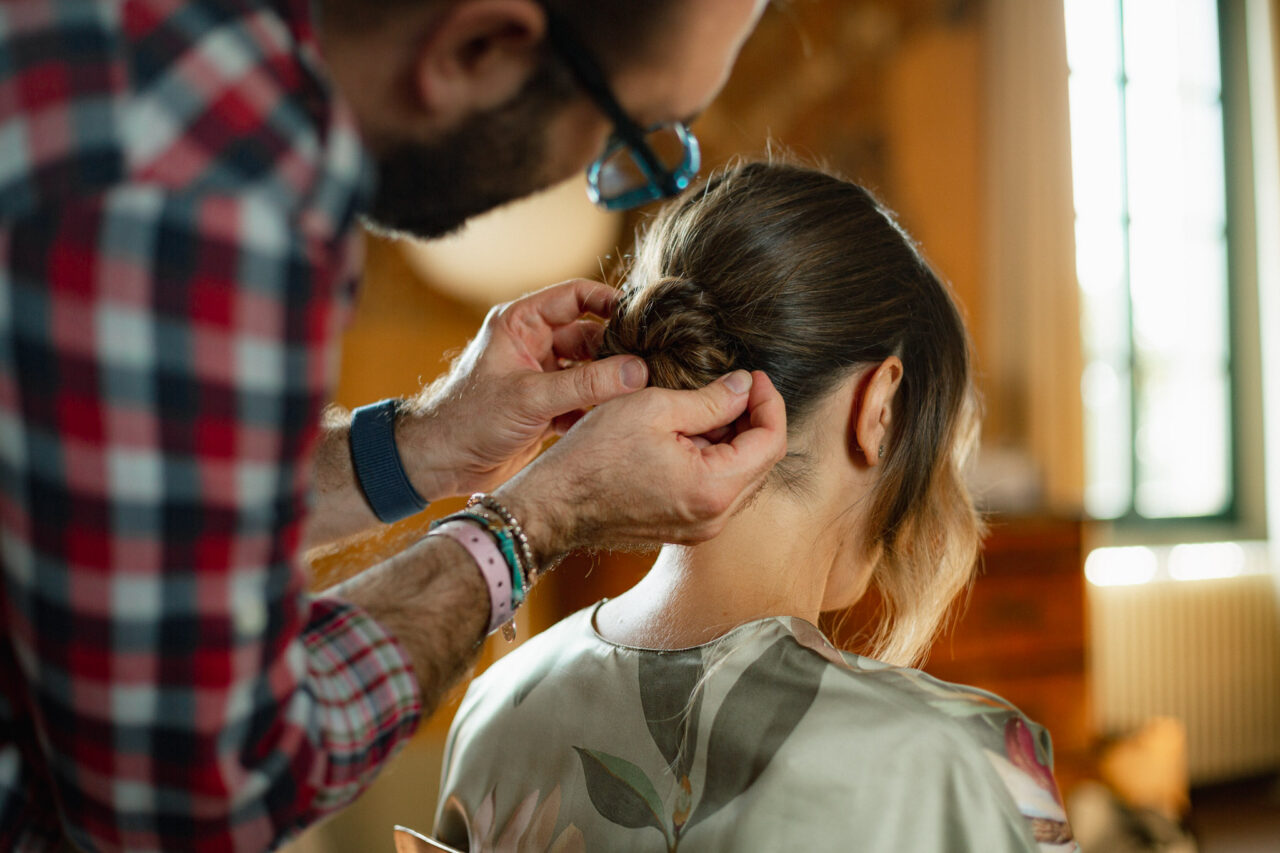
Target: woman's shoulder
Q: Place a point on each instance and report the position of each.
(949, 727)
(914, 694)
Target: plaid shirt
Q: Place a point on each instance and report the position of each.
(178, 187)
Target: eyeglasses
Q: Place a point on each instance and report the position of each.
(637, 165)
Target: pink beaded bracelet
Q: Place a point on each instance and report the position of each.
(493, 567)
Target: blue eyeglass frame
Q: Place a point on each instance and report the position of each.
(661, 181)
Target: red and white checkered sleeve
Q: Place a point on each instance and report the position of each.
(168, 360)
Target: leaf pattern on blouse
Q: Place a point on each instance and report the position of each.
(667, 684)
(528, 830)
(762, 708)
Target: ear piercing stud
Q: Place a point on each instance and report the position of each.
(882, 451)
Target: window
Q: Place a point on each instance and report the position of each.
(1152, 257)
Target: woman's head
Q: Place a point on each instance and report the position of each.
(791, 271)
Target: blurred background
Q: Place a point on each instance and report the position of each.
(1099, 180)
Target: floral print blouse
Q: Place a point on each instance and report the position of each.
(767, 739)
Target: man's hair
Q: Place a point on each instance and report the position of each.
(615, 31)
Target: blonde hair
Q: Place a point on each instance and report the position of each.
(790, 270)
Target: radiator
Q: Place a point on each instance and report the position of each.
(1206, 652)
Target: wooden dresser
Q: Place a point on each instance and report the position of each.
(1021, 633)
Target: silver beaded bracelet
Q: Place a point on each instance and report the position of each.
(489, 502)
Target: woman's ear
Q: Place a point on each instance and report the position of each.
(873, 410)
(478, 55)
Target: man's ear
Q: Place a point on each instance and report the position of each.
(873, 410)
(478, 55)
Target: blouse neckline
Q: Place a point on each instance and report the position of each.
(765, 621)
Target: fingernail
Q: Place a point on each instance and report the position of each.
(739, 382)
(634, 373)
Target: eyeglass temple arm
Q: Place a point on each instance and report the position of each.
(592, 79)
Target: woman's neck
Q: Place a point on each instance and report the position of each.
(775, 558)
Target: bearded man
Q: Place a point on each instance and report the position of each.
(180, 187)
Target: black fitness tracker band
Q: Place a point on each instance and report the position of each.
(379, 471)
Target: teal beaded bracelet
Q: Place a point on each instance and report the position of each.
(492, 504)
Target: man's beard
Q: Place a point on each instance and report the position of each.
(431, 189)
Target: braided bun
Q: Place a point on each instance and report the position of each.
(675, 327)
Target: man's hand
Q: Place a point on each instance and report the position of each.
(502, 399)
(640, 471)
(507, 394)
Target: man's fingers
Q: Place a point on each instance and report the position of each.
(563, 423)
(737, 465)
(710, 408)
(577, 341)
(719, 434)
(563, 303)
(763, 442)
(585, 386)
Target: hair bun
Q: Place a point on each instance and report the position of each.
(673, 325)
